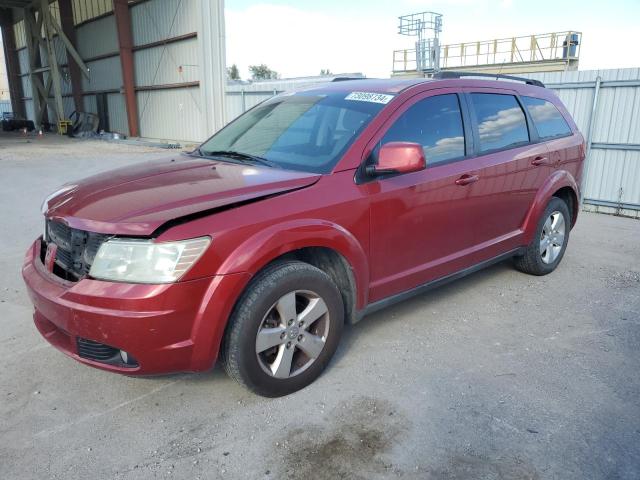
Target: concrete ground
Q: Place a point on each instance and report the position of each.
(497, 376)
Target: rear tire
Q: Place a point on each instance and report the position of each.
(549, 243)
(284, 329)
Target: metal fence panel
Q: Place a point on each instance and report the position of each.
(5, 107)
(612, 172)
(240, 97)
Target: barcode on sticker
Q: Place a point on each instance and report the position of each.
(369, 97)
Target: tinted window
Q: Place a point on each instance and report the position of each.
(501, 121)
(548, 120)
(436, 124)
(306, 131)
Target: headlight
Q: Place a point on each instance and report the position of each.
(144, 261)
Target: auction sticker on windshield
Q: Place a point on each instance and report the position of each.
(369, 97)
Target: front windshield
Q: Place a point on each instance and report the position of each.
(304, 131)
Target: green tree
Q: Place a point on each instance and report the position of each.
(325, 72)
(233, 72)
(262, 72)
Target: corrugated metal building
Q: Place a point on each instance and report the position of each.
(154, 68)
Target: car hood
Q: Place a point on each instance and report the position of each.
(136, 200)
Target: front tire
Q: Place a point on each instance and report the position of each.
(284, 329)
(549, 243)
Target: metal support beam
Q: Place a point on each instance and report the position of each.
(589, 139)
(66, 20)
(12, 64)
(54, 72)
(125, 43)
(33, 52)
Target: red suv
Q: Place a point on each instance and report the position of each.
(309, 211)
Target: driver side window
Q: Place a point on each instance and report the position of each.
(436, 124)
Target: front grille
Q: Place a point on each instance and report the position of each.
(76, 249)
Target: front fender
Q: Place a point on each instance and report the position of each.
(272, 242)
(559, 179)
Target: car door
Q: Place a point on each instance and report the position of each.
(420, 222)
(512, 166)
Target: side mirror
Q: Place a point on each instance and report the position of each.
(398, 157)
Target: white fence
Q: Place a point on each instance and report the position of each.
(242, 96)
(606, 106)
(5, 107)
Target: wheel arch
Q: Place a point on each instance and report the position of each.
(570, 197)
(323, 244)
(562, 184)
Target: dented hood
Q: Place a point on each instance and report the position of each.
(136, 200)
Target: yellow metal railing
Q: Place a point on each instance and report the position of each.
(531, 48)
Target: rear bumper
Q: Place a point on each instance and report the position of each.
(166, 328)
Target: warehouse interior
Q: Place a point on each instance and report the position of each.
(143, 68)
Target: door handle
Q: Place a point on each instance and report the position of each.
(540, 160)
(466, 179)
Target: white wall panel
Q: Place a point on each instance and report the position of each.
(98, 37)
(161, 19)
(160, 65)
(23, 60)
(90, 104)
(171, 114)
(104, 74)
(117, 113)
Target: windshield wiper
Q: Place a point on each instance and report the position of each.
(243, 157)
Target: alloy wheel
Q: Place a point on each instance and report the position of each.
(292, 334)
(552, 237)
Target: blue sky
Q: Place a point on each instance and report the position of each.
(298, 38)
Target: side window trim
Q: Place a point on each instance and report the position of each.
(467, 127)
(473, 124)
(474, 120)
(534, 136)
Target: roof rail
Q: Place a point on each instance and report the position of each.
(452, 74)
(344, 79)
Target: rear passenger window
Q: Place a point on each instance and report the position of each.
(548, 120)
(501, 121)
(436, 124)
